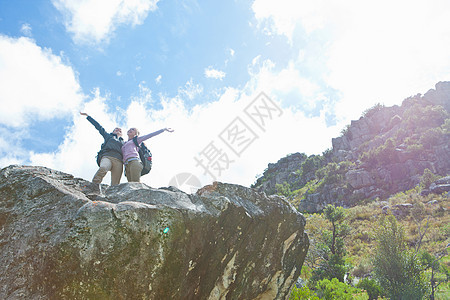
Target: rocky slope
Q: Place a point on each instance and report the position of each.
(136, 242)
(280, 172)
(386, 151)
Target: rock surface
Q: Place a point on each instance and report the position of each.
(280, 172)
(137, 242)
(384, 152)
(440, 186)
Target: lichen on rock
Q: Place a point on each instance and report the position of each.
(137, 242)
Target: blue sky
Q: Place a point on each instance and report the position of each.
(199, 66)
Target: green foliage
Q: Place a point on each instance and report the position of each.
(336, 216)
(421, 127)
(371, 287)
(345, 130)
(333, 263)
(310, 165)
(429, 261)
(382, 155)
(422, 117)
(303, 293)
(335, 290)
(284, 189)
(315, 225)
(438, 273)
(362, 269)
(360, 242)
(371, 111)
(446, 127)
(327, 154)
(415, 149)
(400, 135)
(427, 178)
(396, 268)
(431, 137)
(334, 173)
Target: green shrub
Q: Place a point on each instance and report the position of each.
(334, 173)
(283, 189)
(418, 116)
(427, 178)
(310, 165)
(431, 137)
(303, 293)
(382, 155)
(371, 287)
(372, 110)
(333, 258)
(335, 290)
(362, 269)
(415, 149)
(397, 269)
(446, 127)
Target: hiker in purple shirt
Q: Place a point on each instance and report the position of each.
(130, 152)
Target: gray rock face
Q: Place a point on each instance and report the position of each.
(282, 171)
(440, 186)
(136, 242)
(359, 178)
(365, 129)
(440, 95)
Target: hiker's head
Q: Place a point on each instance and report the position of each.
(132, 132)
(117, 131)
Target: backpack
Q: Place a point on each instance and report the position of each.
(145, 155)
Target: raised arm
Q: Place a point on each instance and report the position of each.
(140, 139)
(97, 126)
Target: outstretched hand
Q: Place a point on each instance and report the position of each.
(169, 129)
(84, 114)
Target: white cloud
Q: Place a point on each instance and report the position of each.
(256, 60)
(11, 151)
(283, 16)
(195, 129)
(288, 80)
(231, 54)
(76, 155)
(388, 61)
(369, 52)
(190, 89)
(158, 79)
(36, 84)
(210, 72)
(93, 21)
(26, 29)
(365, 60)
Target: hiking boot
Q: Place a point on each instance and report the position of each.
(96, 188)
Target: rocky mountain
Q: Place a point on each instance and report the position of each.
(384, 152)
(280, 172)
(58, 241)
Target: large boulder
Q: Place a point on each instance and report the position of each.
(137, 242)
(359, 178)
